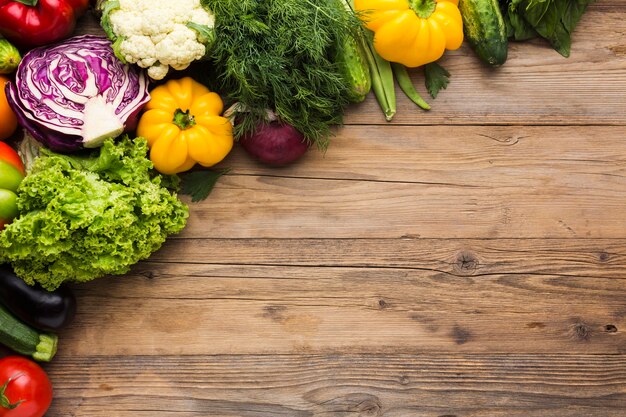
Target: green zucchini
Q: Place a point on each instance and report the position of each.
(24, 339)
(9, 57)
(485, 30)
(353, 67)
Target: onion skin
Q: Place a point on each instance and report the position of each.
(275, 144)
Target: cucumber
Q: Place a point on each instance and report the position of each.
(485, 30)
(25, 340)
(354, 69)
(9, 57)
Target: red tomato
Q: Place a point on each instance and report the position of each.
(13, 158)
(26, 386)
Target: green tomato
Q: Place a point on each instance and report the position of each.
(10, 177)
(8, 205)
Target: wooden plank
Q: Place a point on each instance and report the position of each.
(577, 258)
(233, 309)
(469, 182)
(341, 386)
(535, 86)
(469, 157)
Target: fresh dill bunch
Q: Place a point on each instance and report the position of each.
(279, 55)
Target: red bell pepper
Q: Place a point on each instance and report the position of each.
(11, 175)
(29, 23)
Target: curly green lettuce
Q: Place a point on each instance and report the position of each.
(84, 217)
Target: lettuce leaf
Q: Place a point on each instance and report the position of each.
(83, 217)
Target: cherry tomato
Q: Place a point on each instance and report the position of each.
(8, 121)
(23, 386)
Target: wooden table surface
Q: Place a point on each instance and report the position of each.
(469, 261)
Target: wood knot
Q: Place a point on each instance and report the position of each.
(382, 304)
(466, 263)
(610, 328)
(460, 335)
(619, 50)
(275, 313)
(505, 140)
(149, 274)
(581, 331)
(404, 380)
(370, 407)
(357, 404)
(603, 256)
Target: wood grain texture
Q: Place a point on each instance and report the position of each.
(236, 309)
(342, 386)
(462, 156)
(575, 258)
(431, 182)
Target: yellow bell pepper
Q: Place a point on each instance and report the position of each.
(413, 32)
(183, 127)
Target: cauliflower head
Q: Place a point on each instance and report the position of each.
(158, 34)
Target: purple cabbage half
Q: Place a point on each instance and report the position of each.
(75, 94)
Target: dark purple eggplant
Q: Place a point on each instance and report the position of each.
(42, 309)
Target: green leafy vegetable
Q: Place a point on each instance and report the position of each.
(553, 20)
(199, 184)
(406, 85)
(280, 55)
(83, 217)
(437, 78)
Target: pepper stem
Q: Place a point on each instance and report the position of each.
(4, 401)
(28, 2)
(423, 8)
(183, 119)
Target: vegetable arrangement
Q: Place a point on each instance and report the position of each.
(108, 126)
